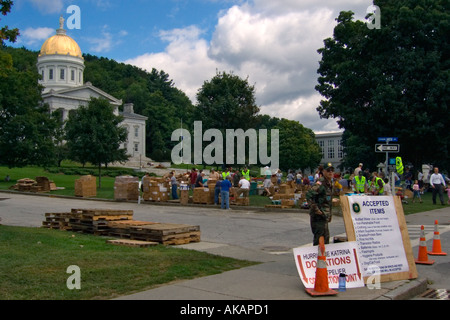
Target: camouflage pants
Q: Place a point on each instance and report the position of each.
(319, 228)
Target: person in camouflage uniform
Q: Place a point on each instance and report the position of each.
(319, 198)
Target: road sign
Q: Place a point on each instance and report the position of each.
(388, 139)
(387, 148)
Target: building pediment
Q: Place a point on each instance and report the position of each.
(82, 93)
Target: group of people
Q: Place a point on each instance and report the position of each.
(320, 194)
(225, 181)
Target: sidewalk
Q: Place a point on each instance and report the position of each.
(276, 277)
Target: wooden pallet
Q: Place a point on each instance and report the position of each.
(174, 239)
(277, 206)
(122, 228)
(103, 214)
(132, 243)
(57, 220)
(166, 233)
(120, 223)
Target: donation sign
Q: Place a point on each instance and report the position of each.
(377, 234)
(340, 258)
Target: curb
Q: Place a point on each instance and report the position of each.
(407, 290)
(169, 203)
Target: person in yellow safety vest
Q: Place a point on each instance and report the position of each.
(226, 174)
(378, 184)
(360, 183)
(246, 174)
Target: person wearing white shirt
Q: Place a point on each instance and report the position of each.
(244, 187)
(437, 184)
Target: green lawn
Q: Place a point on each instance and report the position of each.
(67, 181)
(426, 205)
(34, 262)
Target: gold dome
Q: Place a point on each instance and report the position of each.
(61, 44)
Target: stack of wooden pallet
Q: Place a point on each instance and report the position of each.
(59, 220)
(95, 221)
(122, 229)
(120, 223)
(166, 233)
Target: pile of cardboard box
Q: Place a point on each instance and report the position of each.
(286, 196)
(203, 195)
(155, 189)
(126, 188)
(86, 186)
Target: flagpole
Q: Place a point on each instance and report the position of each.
(181, 127)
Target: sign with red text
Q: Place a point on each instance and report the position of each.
(340, 258)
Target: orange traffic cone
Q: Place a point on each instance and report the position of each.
(437, 250)
(423, 255)
(321, 287)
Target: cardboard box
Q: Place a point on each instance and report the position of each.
(126, 188)
(285, 189)
(203, 195)
(184, 197)
(86, 186)
(242, 201)
(287, 203)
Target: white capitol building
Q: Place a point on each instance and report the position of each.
(61, 65)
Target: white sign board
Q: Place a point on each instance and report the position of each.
(340, 258)
(377, 234)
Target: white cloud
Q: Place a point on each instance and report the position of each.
(32, 36)
(106, 41)
(273, 43)
(49, 6)
(185, 59)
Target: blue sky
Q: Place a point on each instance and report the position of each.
(272, 43)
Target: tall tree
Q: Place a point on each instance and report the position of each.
(26, 127)
(298, 147)
(6, 33)
(392, 81)
(227, 102)
(94, 134)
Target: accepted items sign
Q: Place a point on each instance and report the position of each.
(377, 232)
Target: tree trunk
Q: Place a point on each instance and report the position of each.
(100, 176)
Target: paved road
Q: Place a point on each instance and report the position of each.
(246, 234)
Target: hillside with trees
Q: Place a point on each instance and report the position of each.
(155, 96)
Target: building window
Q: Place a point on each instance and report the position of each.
(136, 147)
(50, 74)
(322, 148)
(72, 75)
(61, 76)
(340, 149)
(330, 149)
(136, 132)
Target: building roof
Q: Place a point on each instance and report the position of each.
(61, 44)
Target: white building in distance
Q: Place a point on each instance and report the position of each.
(331, 148)
(61, 65)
